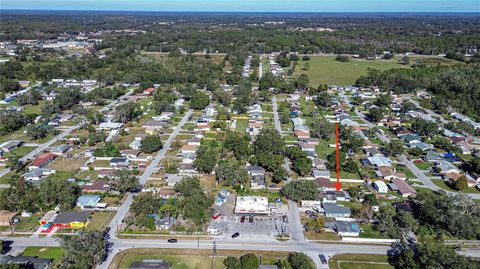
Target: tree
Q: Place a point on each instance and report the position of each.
(376, 114)
(151, 144)
(39, 131)
(315, 225)
(300, 190)
(231, 173)
(249, 261)
(194, 203)
(323, 129)
(239, 144)
(425, 128)
(394, 148)
(13, 161)
(427, 253)
(269, 141)
(323, 99)
(2, 247)
(199, 101)
(143, 206)
(128, 111)
(385, 221)
(461, 183)
(55, 191)
(206, 159)
(300, 261)
(125, 181)
(384, 100)
(232, 263)
(108, 150)
(223, 97)
(85, 250)
(301, 82)
(302, 166)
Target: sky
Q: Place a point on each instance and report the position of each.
(250, 5)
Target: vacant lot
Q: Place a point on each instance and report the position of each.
(325, 69)
(100, 220)
(359, 261)
(54, 253)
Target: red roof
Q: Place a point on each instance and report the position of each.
(325, 183)
(43, 160)
(456, 139)
(149, 90)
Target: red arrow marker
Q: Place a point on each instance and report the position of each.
(338, 185)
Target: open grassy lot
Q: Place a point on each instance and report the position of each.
(28, 224)
(441, 183)
(54, 253)
(321, 236)
(67, 164)
(188, 258)
(359, 261)
(325, 69)
(100, 220)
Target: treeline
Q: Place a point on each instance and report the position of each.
(457, 86)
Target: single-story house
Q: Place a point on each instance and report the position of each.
(336, 211)
(42, 160)
(318, 173)
(255, 170)
(447, 167)
(72, 219)
(88, 201)
(379, 161)
(404, 188)
(119, 162)
(258, 182)
(25, 262)
(334, 196)
(380, 186)
(324, 184)
(153, 127)
(433, 156)
(37, 174)
(421, 145)
(388, 173)
(411, 138)
(10, 145)
(110, 125)
(60, 150)
(172, 179)
(165, 223)
(347, 228)
(96, 186)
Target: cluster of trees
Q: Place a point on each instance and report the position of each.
(100, 95)
(206, 158)
(30, 98)
(52, 191)
(295, 260)
(164, 100)
(231, 173)
(433, 213)
(109, 149)
(11, 121)
(300, 190)
(144, 207)
(455, 86)
(128, 111)
(428, 253)
(151, 144)
(85, 250)
(301, 164)
(269, 152)
(194, 204)
(243, 96)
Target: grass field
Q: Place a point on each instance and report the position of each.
(325, 69)
(188, 258)
(100, 220)
(359, 261)
(441, 183)
(54, 253)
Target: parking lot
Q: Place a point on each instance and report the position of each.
(261, 227)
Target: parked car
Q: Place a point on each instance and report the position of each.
(322, 259)
(309, 212)
(285, 218)
(242, 219)
(235, 235)
(172, 240)
(250, 219)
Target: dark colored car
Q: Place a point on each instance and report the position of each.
(250, 219)
(309, 212)
(235, 235)
(285, 218)
(242, 219)
(322, 259)
(172, 240)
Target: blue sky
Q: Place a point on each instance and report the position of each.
(251, 5)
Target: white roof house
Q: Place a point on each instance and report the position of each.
(252, 205)
(380, 186)
(380, 160)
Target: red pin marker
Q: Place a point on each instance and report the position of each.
(338, 185)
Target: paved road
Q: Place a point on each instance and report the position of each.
(123, 209)
(427, 181)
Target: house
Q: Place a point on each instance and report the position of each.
(446, 167)
(380, 186)
(306, 147)
(334, 196)
(7, 217)
(319, 164)
(150, 264)
(188, 149)
(410, 138)
(165, 223)
(96, 186)
(149, 91)
(42, 160)
(166, 192)
(37, 174)
(310, 141)
(10, 145)
(457, 139)
(404, 189)
(88, 201)
(372, 152)
(324, 184)
(110, 125)
(388, 173)
(379, 161)
(172, 179)
(302, 134)
(347, 228)
(336, 211)
(72, 219)
(178, 103)
(188, 157)
(60, 150)
(153, 126)
(433, 156)
(258, 182)
(130, 153)
(255, 170)
(321, 173)
(421, 145)
(24, 262)
(136, 143)
(119, 162)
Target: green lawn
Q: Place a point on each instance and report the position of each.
(21, 151)
(423, 166)
(367, 231)
(27, 224)
(325, 69)
(100, 220)
(359, 261)
(54, 253)
(323, 149)
(441, 183)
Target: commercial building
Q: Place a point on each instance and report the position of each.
(252, 205)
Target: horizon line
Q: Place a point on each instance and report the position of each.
(232, 11)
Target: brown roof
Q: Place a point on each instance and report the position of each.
(96, 186)
(324, 183)
(166, 191)
(403, 187)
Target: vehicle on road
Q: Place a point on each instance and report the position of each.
(250, 219)
(172, 240)
(235, 235)
(309, 212)
(323, 259)
(242, 219)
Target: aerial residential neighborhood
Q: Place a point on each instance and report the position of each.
(135, 139)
